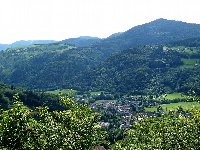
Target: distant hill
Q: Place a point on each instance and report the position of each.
(82, 41)
(25, 43)
(3, 46)
(159, 31)
(31, 42)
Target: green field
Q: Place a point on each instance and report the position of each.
(189, 63)
(63, 91)
(174, 106)
(96, 92)
(172, 96)
(187, 50)
(190, 51)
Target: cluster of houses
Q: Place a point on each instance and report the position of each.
(127, 110)
(127, 107)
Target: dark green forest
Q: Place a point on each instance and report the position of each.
(45, 66)
(147, 69)
(30, 98)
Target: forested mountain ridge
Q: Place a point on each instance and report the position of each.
(159, 31)
(59, 65)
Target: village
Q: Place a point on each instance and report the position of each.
(126, 109)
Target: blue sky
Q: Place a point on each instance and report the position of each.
(61, 19)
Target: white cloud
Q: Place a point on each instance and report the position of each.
(61, 19)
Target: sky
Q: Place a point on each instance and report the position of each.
(62, 19)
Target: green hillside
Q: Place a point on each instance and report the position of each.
(148, 69)
(30, 98)
(106, 65)
(45, 66)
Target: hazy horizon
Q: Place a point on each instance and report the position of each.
(63, 19)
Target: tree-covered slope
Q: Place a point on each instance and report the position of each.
(30, 98)
(59, 65)
(156, 32)
(45, 66)
(147, 69)
(191, 42)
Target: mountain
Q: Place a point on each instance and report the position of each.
(159, 31)
(117, 63)
(25, 43)
(82, 41)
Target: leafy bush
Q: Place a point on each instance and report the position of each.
(75, 128)
(167, 132)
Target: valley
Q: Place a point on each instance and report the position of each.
(90, 91)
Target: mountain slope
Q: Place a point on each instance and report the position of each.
(45, 66)
(159, 31)
(61, 65)
(144, 70)
(192, 42)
